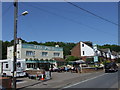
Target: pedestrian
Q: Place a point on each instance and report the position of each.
(66, 68)
(80, 68)
(72, 69)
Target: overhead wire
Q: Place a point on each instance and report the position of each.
(91, 13)
(69, 19)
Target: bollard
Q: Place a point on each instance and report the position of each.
(42, 78)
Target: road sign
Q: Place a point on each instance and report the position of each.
(95, 58)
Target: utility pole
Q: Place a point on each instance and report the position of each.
(15, 44)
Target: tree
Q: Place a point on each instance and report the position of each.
(4, 48)
(66, 46)
(112, 47)
(33, 42)
(118, 60)
(72, 58)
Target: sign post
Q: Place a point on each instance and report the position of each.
(96, 54)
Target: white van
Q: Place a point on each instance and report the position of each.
(7, 67)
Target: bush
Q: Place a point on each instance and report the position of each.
(89, 60)
(106, 61)
(118, 60)
(72, 58)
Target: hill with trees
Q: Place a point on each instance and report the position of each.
(66, 46)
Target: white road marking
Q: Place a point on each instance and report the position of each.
(85, 81)
(21, 82)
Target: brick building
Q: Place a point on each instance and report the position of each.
(82, 50)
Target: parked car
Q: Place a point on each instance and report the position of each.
(110, 67)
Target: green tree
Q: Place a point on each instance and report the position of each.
(112, 47)
(72, 58)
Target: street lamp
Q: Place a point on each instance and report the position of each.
(15, 39)
(24, 13)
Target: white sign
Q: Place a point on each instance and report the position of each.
(95, 58)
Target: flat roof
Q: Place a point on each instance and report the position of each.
(41, 47)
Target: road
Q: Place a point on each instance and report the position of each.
(59, 80)
(106, 80)
(73, 80)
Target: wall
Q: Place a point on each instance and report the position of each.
(21, 52)
(10, 52)
(76, 51)
(88, 51)
(38, 54)
(113, 57)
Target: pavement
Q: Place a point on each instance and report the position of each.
(59, 80)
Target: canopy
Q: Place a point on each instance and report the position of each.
(80, 61)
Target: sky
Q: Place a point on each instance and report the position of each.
(62, 22)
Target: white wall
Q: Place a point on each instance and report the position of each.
(38, 54)
(88, 51)
(10, 52)
(22, 53)
(108, 55)
(98, 53)
(113, 57)
(0, 68)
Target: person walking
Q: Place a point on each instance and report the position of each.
(66, 68)
(80, 68)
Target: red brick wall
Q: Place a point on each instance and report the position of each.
(5, 82)
(84, 58)
(76, 51)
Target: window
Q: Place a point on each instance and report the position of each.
(82, 45)
(83, 53)
(18, 64)
(6, 65)
(56, 54)
(44, 53)
(30, 53)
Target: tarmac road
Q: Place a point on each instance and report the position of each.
(73, 80)
(59, 80)
(105, 80)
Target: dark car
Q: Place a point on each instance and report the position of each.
(111, 67)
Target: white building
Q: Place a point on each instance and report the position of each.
(114, 55)
(86, 50)
(106, 53)
(31, 51)
(82, 50)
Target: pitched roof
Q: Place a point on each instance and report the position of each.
(88, 43)
(114, 53)
(105, 50)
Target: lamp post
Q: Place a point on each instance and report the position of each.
(15, 49)
(15, 43)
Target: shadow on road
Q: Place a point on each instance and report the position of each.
(25, 87)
